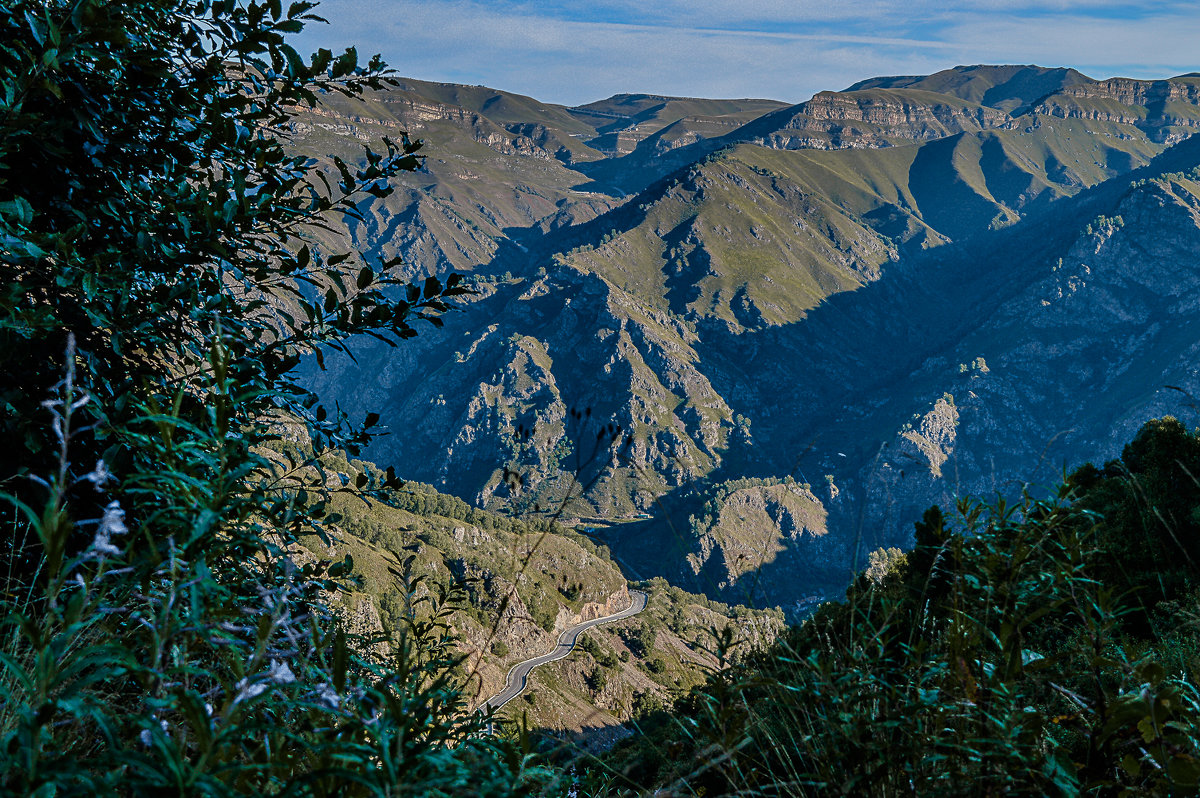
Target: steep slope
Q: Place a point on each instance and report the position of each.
(757, 237)
(1166, 110)
(1068, 334)
(761, 312)
(486, 183)
(526, 358)
(887, 112)
(626, 122)
(521, 585)
(622, 670)
(750, 239)
(501, 107)
(870, 118)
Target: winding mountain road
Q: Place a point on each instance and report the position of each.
(518, 675)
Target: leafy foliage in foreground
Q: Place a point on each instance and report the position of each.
(1045, 648)
(156, 635)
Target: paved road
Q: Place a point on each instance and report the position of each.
(518, 675)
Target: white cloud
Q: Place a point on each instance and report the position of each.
(786, 49)
(1146, 48)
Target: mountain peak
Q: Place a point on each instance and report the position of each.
(1007, 87)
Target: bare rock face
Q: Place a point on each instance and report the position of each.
(933, 439)
(1165, 109)
(1095, 344)
(538, 141)
(1032, 366)
(785, 297)
(876, 118)
(759, 542)
(613, 604)
(753, 526)
(593, 368)
(1138, 92)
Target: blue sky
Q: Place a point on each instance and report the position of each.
(573, 52)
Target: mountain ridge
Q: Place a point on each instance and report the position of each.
(673, 292)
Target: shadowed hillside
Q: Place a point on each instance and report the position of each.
(815, 294)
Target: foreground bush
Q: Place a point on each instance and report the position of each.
(1046, 648)
(161, 275)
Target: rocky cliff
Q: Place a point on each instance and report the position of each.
(921, 300)
(1166, 110)
(871, 118)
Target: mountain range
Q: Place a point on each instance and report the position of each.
(744, 343)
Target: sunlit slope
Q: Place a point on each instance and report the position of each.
(1007, 87)
(1164, 110)
(519, 585)
(977, 367)
(501, 107)
(705, 244)
(1029, 349)
(885, 112)
(760, 311)
(505, 169)
(755, 239)
(483, 183)
(756, 236)
(870, 118)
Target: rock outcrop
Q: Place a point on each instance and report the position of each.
(873, 118)
(787, 296)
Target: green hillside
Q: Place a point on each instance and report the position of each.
(522, 581)
(501, 107)
(759, 236)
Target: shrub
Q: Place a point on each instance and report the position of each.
(160, 280)
(599, 653)
(597, 679)
(1008, 651)
(543, 609)
(639, 638)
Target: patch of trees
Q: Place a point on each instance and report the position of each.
(639, 638)
(602, 655)
(425, 500)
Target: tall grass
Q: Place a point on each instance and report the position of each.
(122, 674)
(1005, 655)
